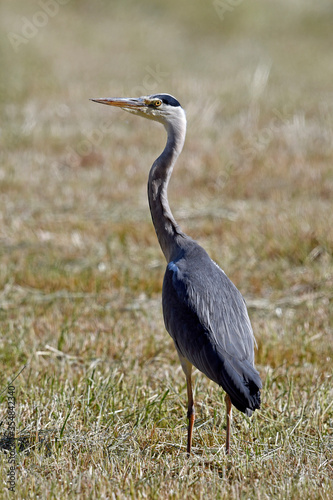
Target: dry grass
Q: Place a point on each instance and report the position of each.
(101, 405)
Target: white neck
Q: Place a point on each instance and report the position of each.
(167, 229)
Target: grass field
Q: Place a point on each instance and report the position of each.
(101, 405)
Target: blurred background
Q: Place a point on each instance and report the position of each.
(81, 271)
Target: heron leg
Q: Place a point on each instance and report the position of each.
(190, 411)
(187, 368)
(229, 410)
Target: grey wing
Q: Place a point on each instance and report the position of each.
(207, 318)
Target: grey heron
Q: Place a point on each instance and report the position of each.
(203, 311)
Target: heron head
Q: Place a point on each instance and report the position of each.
(159, 107)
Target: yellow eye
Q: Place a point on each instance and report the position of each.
(157, 103)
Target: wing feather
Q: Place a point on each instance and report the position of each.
(207, 318)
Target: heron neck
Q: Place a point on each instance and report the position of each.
(167, 230)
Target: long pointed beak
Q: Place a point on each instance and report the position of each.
(120, 102)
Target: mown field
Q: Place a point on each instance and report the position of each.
(100, 408)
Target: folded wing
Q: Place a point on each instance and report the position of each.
(207, 318)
